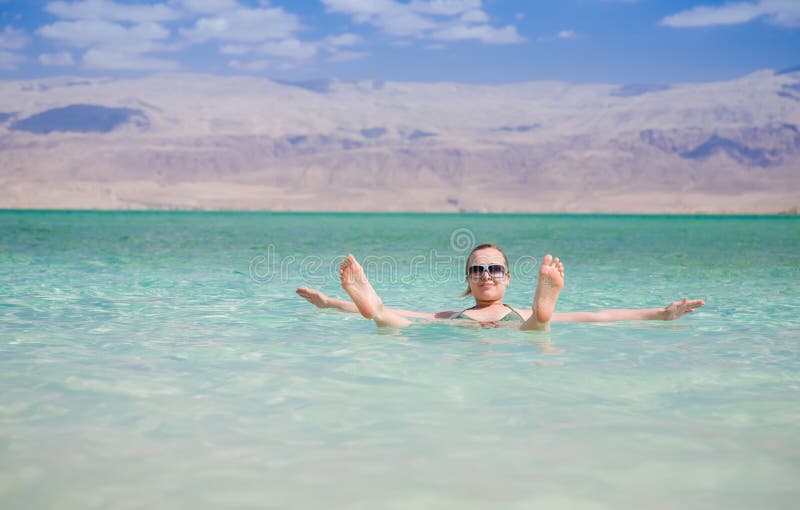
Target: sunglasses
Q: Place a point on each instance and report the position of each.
(495, 271)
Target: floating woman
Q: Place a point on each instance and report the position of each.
(487, 278)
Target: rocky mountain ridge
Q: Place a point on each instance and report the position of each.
(184, 141)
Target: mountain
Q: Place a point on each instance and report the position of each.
(198, 141)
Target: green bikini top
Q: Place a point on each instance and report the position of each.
(513, 315)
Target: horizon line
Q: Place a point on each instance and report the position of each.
(333, 80)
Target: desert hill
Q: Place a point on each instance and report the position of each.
(210, 142)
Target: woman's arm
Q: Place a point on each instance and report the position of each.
(670, 312)
(322, 300)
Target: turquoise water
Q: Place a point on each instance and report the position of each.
(162, 360)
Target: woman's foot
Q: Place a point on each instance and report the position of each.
(551, 281)
(355, 283)
(369, 305)
(313, 296)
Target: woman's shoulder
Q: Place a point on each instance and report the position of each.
(446, 315)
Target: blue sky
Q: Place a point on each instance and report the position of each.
(472, 41)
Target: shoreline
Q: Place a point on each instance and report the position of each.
(221, 195)
(781, 214)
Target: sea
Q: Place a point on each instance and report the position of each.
(162, 360)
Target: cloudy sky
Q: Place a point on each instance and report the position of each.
(475, 41)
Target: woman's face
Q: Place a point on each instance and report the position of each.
(487, 288)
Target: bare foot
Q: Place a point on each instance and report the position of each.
(551, 281)
(678, 309)
(355, 283)
(313, 296)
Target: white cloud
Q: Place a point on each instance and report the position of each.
(208, 6)
(116, 60)
(444, 7)
(335, 44)
(438, 19)
(403, 22)
(86, 33)
(343, 40)
(347, 56)
(13, 39)
(112, 11)
(237, 49)
(776, 12)
(476, 16)
(483, 33)
(245, 25)
(563, 35)
(288, 48)
(362, 9)
(388, 15)
(292, 49)
(61, 59)
(128, 34)
(254, 65)
(111, 45)
(119, 34)
(10, 61)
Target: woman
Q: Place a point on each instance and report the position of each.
(487, 280)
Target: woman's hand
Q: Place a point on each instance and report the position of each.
(678, 309)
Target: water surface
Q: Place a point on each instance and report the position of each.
(162, 360)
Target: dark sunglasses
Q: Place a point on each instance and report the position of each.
(495, 271)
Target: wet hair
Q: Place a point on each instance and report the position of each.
(478, 248)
